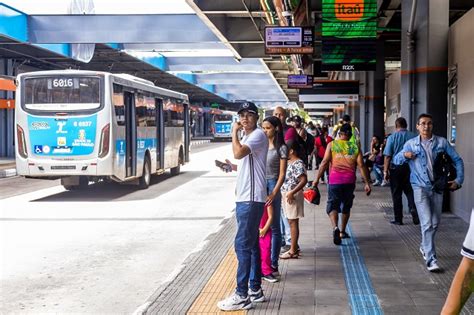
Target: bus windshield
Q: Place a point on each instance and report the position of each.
(62, 93)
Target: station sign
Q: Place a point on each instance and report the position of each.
(300, 81)
(287, 40)
(336, 91)
(310, 106)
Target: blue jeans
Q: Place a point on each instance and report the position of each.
(378, 172)
(429, 206)
(246, 246)
(285, 229)
(276, 228)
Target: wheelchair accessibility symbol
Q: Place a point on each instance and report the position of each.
(38, 149)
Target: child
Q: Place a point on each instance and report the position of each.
(292, 196)
(265, 242)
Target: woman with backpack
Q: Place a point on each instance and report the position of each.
(320, 144)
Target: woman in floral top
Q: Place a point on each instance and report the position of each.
(292, 196)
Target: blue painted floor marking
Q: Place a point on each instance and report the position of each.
(361, 294)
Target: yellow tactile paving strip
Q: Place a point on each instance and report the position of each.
(220, 285)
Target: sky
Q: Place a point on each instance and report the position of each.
(104, 6)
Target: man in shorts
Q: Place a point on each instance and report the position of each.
(344, 156)
(251, 196)
(463, 282)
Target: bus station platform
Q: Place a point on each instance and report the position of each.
(379, 270)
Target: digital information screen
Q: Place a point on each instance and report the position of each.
(349, 32)
(300, 81)
(289, 40)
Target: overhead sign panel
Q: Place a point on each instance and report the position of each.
(310, 106)
(300, 81)
(331, 91)
(289, 40)
(349, 32)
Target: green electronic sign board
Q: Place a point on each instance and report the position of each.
(349, 32)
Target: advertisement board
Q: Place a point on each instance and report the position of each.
(349, 31)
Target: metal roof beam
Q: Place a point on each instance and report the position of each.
(102, 28)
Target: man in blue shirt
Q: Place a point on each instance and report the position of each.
(399, 174)
(420, 153)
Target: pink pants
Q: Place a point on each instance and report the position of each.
(266, 246)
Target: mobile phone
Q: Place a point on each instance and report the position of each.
(224, 166)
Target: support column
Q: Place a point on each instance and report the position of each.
(428, 66)
(376, 96)
(363, 108)
(7, 116)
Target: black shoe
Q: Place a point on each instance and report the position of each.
(416, 219)
(336, 236)
(344, 234)
(396, 222)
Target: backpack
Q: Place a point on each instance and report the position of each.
(309, 143)
(443, 172)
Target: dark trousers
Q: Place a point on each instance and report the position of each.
(400, 183)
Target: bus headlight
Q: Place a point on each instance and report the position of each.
(104, 141)
(22, 151)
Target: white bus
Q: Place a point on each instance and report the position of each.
(222, 124)
(84, 126)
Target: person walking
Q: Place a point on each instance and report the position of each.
(292, 197)
(344, 157)
(320, 144)
(251, 196)
(277, 159)
(355, 135)
(420, 153)
(399, 175)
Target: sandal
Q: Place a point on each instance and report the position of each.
(288, 255)
(345, 235)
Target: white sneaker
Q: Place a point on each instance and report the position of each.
(376, 183)
(422, 253)
(256, 296)
(433, 267)
(384, 183)
(234, 303)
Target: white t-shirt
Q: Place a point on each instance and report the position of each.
(251, 182)
(468, 245)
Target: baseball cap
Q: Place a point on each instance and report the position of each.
(296, 119)
(248, 106)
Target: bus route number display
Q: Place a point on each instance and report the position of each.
(289, 40)
(60, 83)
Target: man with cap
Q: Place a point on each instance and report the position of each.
(251, 194)
(344, 156)
(288, 131)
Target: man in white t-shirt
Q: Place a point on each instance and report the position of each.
(463, 282)
(251, 196)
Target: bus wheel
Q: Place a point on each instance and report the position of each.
(175, 170)
(144, 181)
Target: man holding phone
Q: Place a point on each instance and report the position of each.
(251, 194)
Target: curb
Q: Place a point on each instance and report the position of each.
(199, 142)
(8, 173)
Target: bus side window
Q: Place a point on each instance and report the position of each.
(119, 105)
(141, 110)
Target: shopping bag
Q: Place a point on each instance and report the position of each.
(312, 195)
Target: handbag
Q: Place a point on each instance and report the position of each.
(312, 195)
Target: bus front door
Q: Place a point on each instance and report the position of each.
(160, 135)
(130, 135)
